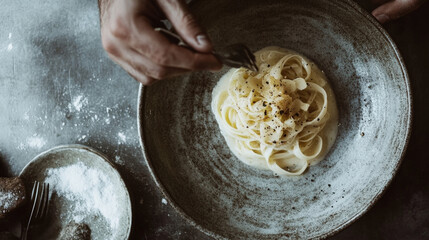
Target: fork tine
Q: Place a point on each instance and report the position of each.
(39, 206)
(40, 202)
(34, 190)
(35, 195)
(44, 201)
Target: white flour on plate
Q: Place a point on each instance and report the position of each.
(92, 195)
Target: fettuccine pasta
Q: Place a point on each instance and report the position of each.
(282, 118)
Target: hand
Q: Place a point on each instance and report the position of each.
(128, 36)
(392, 9)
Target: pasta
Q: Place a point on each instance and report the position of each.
(283, 118)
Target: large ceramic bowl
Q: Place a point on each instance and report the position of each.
(223, 197)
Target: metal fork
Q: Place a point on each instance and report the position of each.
(38, 209)
(235, 55)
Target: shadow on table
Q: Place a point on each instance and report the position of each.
(3, 167)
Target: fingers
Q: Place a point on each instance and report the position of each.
(186, 25)
(128, 36)
(141, 68)
(147, 67)
(148, 56)
(139, 77)
(156, 46)
(395, 9)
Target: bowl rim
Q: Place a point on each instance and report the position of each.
(98, 154)
(409, 120)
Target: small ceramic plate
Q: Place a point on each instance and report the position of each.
(72, 170)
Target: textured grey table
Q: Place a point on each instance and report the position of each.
(57, 86)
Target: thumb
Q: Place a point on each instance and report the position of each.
(186, 25)
(395, 9)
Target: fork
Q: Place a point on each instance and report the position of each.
(235, 55)
(39, 207)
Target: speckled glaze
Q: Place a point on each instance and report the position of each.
(66, 155)
(226, 199)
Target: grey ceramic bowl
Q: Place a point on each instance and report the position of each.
(226, 199)
(61, 209)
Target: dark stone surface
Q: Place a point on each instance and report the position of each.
(57, 86)
(15, 190)
(7, 236)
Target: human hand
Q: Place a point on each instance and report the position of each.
(388, 10)
(128, 36)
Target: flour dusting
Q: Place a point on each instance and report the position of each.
(6, 200)
(79, 102)
(92, 194)
(36, 142)
(122, 137)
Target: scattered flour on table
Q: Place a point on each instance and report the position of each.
(91, 193)
(119, 161)
(81, 138)
(122, 137)
(36, 142)
(79, 102)
(7, 199)
(26, 116)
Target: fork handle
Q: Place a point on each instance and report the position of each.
(173, 36)
(24, 232)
